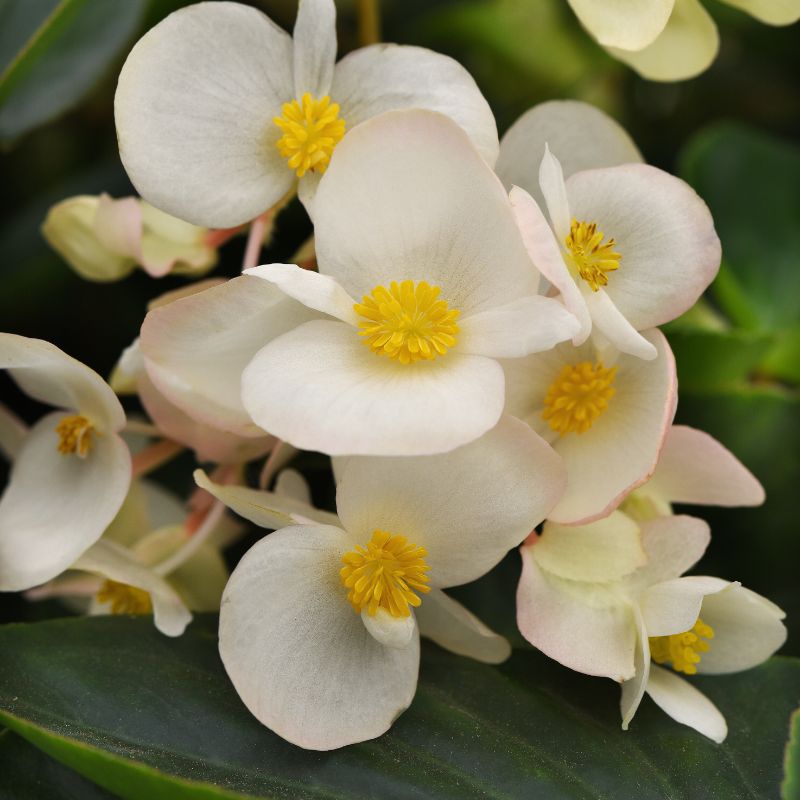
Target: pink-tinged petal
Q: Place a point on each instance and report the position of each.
(608, 319)
(118, 225)
(554, 191)
(695, 468)
(629, 24)
(314, 47)
(633, 688)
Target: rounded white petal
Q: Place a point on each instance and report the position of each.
(579, 135)
(583, 626)
(685, 48)
(773, 12)
(387, 77)
(56, 506)
(695, 468)
(319, 387)
(388, 630)
(633, 689)
(51, 376)
(314, 47)
(292, 485)
(601, 551)
(747, 630)
(686, 704)
(446, 622)
(674, 606)
(663, 231)
(407, 197)
(631, 24)
(610, 322)
(299, 655)
(197, 347)
(467, 508)
(12, 433)
(194, 108)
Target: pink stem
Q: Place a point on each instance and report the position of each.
(154, 456)
(255, 239)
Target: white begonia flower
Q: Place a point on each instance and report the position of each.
(604, 412)
(427, 283)
(668, 40)
(104, 239)
(608, 598)
(220, 112)
(628, 247)
(319, 630)
(71, 473)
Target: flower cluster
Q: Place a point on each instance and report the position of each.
(471, 334)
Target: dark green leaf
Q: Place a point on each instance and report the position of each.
(151, 717)
(790, 789)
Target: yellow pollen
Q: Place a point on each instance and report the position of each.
(75, 435)
(578, 396)
(384, 574)
(310, 132)
(125, 599)
(589, 256)
(682, 650)
(407, 322)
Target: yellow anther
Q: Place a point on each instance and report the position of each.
(125, 599)
(578, 396)
(592, 259)
(682, 650)
(384, 574)
(75, 435)
(310, 133)
(407, 322)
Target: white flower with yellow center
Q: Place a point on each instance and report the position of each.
(604, 412)
(608, 599)
(628, 247)
(71, 472)
(320, 621)
(220, 113)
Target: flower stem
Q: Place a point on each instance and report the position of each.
(255, 240)
(186, 551)
(369, 22)
(154, 456)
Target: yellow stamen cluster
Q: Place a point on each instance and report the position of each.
(310, 133)
(384, 574)
(682, 650)
(407, 322)
(590, 257)
(578, 396)
(74, 435)
(125, 599)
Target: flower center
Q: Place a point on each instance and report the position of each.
(310, 132)
(125, 599)
(589, 256)
(75, 435)
(682, 650)
(407, 322)
(385, 574)
(578, 396)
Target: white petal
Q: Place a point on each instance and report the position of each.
(314, 47)
(631, 24)
(299, 655)
(685, 704)
(695, 468)
(554, 191)
(583, 626)
(674, 606)
(773, 12)
(450, 625)
(601, 551)
(56, 506)
(524, 326)
(663, 231)
(114, 562)
(313, 290)
(194, 108)
(747, 630)
(12, 433)
(388, 630)
(292, 485)
(434, 211)
(48, 374)
(467, 508)
(385, 77)
(118, 225)
(633, 689)
(320, 387)
(608, 319)
(198, 346)
(579, 135)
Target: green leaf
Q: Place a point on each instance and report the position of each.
(790, 788)
(150, 717)
(71, 47)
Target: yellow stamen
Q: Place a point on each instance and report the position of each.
(589, 256)
(310, 133)
(407, 322)
(385, 575)
(125, 599)
(682, 650)
(74, 435)
(578, 396)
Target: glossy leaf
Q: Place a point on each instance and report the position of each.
(790, 788)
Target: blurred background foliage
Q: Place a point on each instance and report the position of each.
(732, 133)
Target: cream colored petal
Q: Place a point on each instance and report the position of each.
(632, 24)
(773, 12)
